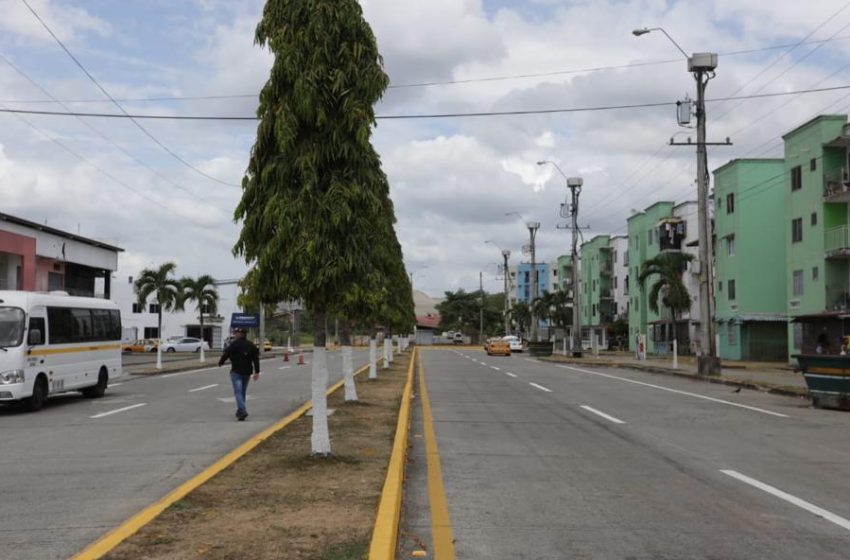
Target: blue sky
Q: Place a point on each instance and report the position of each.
(453, 180)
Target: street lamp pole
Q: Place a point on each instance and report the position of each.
(702, 66)
(532, 232)
(506, 254)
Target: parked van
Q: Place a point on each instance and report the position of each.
(53, 343)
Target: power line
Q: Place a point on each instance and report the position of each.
(94, 129)
(125, 115)
(108, 95)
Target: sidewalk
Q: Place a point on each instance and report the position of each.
(773, 377)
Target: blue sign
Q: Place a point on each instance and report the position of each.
(245, 320)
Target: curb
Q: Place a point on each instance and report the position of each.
(132, 525)
(385, 534)
(754, 386)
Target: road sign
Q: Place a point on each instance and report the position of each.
(245, 320)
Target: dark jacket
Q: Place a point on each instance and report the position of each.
(244, 357)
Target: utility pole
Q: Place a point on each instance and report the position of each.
(574, 184)
(506, 255)
(481, 311)
(532, 232)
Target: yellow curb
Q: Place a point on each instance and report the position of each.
(385, 533)
(115, 537)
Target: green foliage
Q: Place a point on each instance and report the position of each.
(167, 291)
(317, 220)
(461, 311)
(521, 316)
(552, 307)
(202, 291)
(667, 287)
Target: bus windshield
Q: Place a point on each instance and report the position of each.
(11, 326)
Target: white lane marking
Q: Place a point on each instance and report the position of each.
(677, 391)
(602, 414)
(284, 367)
(167, 375)
(117, 410)
(541, 387)
(511, 374)
(494, 367)
(530, 360)
(115, 384)
(203, 388)
(800, 503)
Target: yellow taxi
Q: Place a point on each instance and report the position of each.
(142, 345)
(497, 347)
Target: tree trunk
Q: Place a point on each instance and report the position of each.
(674, 327)
(159, 336)
(320, 439)
(201, 351)
(386, 350)
(373, 356)
(347, 362)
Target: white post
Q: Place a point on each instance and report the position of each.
(675, 354)
(373, 358)
(348, 374)
(386, 354)
(398, 342)
(565, 344)
(320, 438)
(159, 353)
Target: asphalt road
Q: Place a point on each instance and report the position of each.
(79, 467)
(544, 461)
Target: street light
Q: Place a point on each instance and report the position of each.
(574, 184)
(505, 256)
(702, 66)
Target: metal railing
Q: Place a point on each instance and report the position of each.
(838, 297)
(836, 182)
(837, 239)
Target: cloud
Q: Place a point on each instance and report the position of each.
(70, 23)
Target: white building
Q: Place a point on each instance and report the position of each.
(620, 259)
(141, 321)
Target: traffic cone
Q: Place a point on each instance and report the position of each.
(286, 356)
(300, 359)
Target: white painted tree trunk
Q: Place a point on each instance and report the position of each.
(159, 355)
(386, 354)
(348, 374)
(373, 359)
(390, 353)
(398, 343)
(320, 439)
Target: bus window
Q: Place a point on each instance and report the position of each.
(37, 323)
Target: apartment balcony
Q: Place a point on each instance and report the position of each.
(605, 269)
(836, 185)
(838, 297)
(837, 242)
(671, 234)
(606, 294)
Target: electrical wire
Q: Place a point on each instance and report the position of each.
(112, 99)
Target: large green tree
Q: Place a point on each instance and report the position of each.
(521, 316)
(203, 292)
(167, 294)
(314, 194)
(667, 287)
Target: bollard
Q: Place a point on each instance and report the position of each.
(286, 356)
(300, 359)
(675, 355)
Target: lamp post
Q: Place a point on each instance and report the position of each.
(574, 184)
(506, 254)
(532, 233)
(702, 66)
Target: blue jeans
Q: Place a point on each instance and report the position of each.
(240, 388)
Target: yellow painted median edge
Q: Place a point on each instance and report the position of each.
(385, 534)
(118, 535)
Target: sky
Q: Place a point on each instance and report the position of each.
(455, 182)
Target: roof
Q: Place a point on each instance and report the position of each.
(58, 232)
(810, 122)
(737, 161)
(824, 315)
(428, 322)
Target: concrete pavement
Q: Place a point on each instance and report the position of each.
(79, 467)
(546, 461)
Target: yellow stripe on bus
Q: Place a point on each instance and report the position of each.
(75, 349)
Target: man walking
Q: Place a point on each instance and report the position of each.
(244, 359)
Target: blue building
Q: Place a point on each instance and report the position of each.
(523, 281)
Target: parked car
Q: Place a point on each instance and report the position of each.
(142, 345)
(514, 342)
(457, 338)
(184, 344)
(267, 345)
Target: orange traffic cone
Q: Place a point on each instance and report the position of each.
(300, 359)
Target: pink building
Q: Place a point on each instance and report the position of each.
(35, 257)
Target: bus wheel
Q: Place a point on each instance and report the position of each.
(98, 390)
(39, 395)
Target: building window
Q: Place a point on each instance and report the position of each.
(813, 164)
(615, 282)
(138, 308)
(796, 178)
(720, 286)
(153, 308)
(626, 259)
(815, 274)
(614, 257)
(730, 290)
(796, 230)
(798, 282)
(730, 246)
(814, 218)
(730, 203)
(731, 334)
(55, 281)
(151, 332)
(594, 309)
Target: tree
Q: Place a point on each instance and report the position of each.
(521, 315)
(668, 287)
(203, 292)
(314, 194)
(167, 292)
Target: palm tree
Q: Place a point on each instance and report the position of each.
(521, 315)
(203, 292)
(167, 292)
(668, 267)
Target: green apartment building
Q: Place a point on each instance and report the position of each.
(817, 232)
(565, 274)
(750, 259)
(597, 295)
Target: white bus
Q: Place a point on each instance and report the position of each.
(52, 343)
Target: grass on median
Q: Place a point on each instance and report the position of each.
(280, 502)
